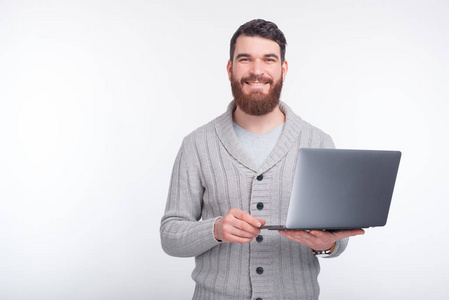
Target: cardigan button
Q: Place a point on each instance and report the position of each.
(259, 238)
(258, 298)
(259, 270)
(259, 206)
(260, 177)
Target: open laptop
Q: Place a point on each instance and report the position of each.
(341, 189)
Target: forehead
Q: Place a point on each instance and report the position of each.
(256, 46)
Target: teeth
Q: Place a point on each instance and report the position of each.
(256, 83)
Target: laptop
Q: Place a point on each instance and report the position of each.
(336, 189)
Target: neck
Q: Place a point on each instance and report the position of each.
(259, 124)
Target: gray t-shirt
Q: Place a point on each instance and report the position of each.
(258, 146)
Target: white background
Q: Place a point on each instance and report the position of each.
(96, 96)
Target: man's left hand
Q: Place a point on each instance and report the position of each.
(318, 239)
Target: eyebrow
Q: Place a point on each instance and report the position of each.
(242, 55)
(248, 55)
(271, 55)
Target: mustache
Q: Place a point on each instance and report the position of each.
(256, 78)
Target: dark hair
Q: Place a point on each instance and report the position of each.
(261, 28)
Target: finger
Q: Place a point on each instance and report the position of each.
(241, 215)
(341, 234)
(299, 236)
(262, 221)
(242, 225)
(230, 221)
(286, 234)
(242, 229)
(323, 235)
(289, 235)
(318, 233)
(233, 225)
(302, 234)
(308, 240)
(233, 234)
(316, 239)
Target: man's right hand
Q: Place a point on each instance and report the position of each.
(237, 226)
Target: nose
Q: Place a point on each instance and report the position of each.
(257, 68)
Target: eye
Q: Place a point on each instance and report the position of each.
(269, 60)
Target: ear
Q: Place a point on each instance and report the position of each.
(284, 69)
(229, 69)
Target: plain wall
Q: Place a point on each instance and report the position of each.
(96, 96)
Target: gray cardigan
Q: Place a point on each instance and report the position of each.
(213, 174)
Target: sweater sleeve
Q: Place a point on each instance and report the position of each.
(183, 233)
(339, 248)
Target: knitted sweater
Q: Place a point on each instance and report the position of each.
(213, 174)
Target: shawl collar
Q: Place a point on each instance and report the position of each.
(292, 129)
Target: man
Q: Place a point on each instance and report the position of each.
(235, 174)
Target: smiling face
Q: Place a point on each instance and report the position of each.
(256, 74)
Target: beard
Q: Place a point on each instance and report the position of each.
(256, 103)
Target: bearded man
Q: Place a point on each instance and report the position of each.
(234, 174)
